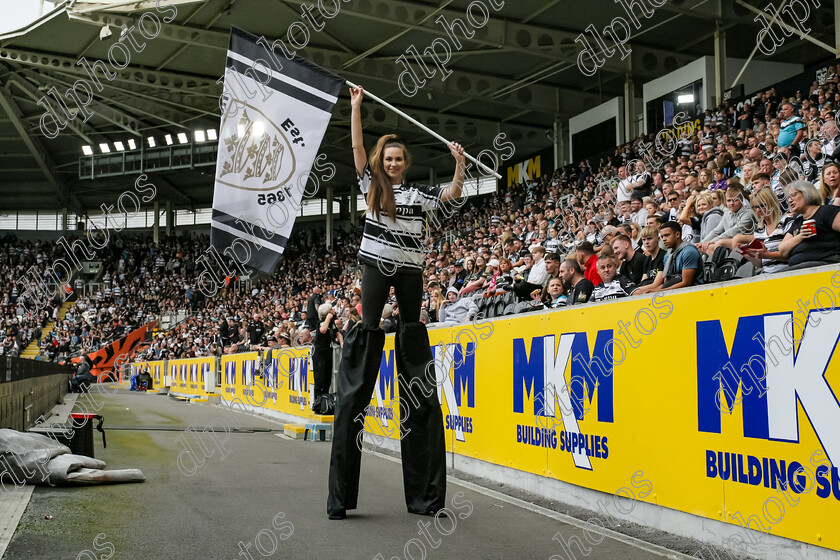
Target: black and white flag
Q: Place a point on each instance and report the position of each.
(275, 112)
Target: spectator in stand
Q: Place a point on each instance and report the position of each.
(322, 354)
(813, 237)
(791, 129)
(771, 231)
(588, 262)
(683, 264)
(537, 275)
(503, 279)
(458, 275)
(389, 321)
(654, 255)
(631, 262)
(578, 288)
(738, 218)
(704, 178)
(256, 331)
(829, 181)
(638, 213)
(701, 214)
(612, 285)
(719, 180)
(455, 310)
(312, 306)
(475, 278)
(81, 381)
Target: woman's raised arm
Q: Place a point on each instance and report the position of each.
(359, 153)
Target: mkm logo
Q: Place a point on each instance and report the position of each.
(525, 171)
(542, 377)
(299, 379)
(454, 378)
(772, 377)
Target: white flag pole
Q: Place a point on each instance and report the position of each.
(424, 127)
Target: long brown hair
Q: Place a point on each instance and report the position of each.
(825, 191)
(380, 197)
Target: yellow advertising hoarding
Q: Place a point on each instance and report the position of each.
(278, 382)
(721, 402)
(189, 376)
(157, 369)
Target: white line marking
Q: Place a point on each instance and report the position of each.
(569, 520)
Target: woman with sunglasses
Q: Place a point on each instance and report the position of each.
(392, 254)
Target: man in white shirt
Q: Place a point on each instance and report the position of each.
(623, 191)
(538, 274)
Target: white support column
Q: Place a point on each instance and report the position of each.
(720, 63)
(156, 223)
(329, 216)
(629, 108)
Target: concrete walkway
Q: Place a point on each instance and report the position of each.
(255, 494)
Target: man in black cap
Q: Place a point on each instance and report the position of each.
(459, 276)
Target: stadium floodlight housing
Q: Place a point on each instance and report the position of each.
(119, 146)
(182, 138)
(211, 134)
(687, 98)
(151, 141)
(87, 150)
(132, 144)
(105, 148)
(199, 136)
(168, 139)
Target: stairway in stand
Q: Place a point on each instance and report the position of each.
(31, 351)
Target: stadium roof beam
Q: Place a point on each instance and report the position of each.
(541, 9)
(36, 149)
(706, 14)
(394, 37)
(136, 75)
(139, 100)
(187, 34)
(323, 32)
(395, 12)
(542, 98)
(114, 116)
(90, 6)
(705, 37)
(795, 31)
(207, 26)
(82, 130)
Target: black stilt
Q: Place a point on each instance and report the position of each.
(357, 373)
(423, 446)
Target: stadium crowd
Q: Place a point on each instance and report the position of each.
(754, 187)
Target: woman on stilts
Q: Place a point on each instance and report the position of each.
(392, 252)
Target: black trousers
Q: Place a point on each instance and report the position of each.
(408, 287)
(422, 440)
(322, 367)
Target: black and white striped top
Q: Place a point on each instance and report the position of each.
(398, 245)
